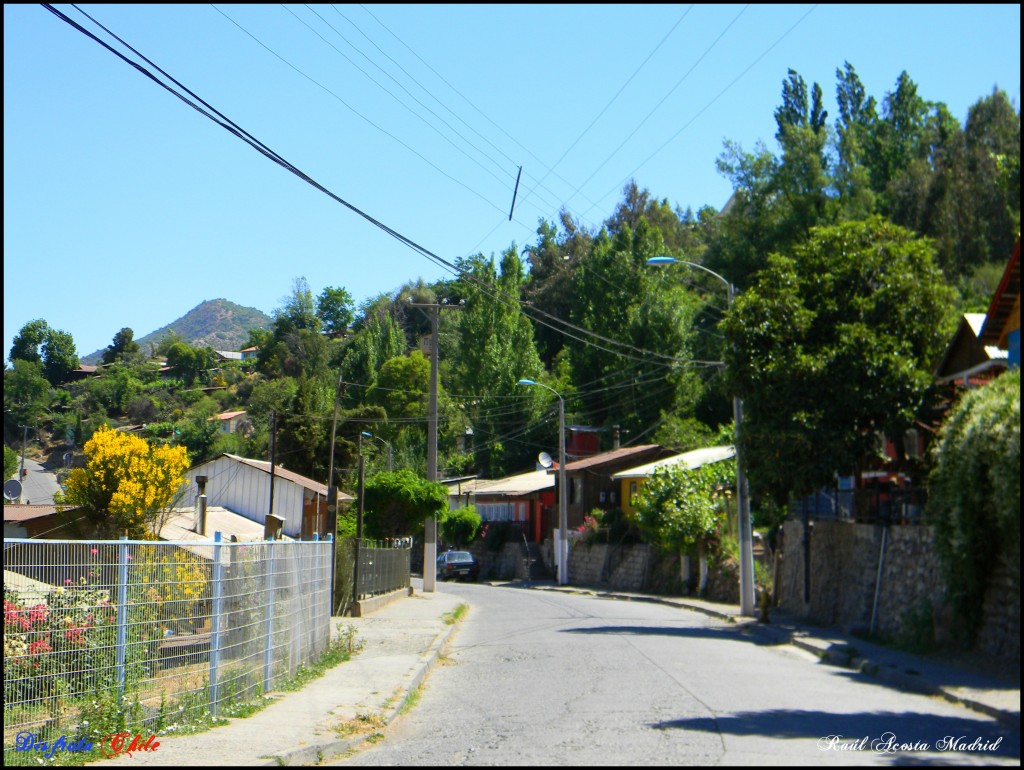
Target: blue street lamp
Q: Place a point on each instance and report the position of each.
(563, 548)
(742, 497)
(385, 443)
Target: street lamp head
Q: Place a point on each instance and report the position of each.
(364, 433)
(526, 382)
(661, 261)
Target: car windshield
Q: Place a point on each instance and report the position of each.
(459, 556)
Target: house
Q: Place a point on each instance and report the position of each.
(968, 362)
(527, 499)
(632, 479)
(1002, 321)
(223, 356)
(230, 422)
(249, 354)
(36, 521)
(242, 486)
(590, 483)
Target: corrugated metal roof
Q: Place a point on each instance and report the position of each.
(691, 460)
(180, 526)
(17, 513)
(607, 457)
(521, 484)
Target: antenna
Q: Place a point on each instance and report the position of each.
(12, 489)
(545, 459)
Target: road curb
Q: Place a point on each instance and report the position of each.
(327, 750)
(840, 657)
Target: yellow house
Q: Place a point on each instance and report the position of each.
(632, 479)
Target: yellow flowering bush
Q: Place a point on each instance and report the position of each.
(126, 482)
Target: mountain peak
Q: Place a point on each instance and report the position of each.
(217, 323)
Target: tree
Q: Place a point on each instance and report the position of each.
(11, 462)
(26, 343)
(127, 485)
(123, 348)
(832, 344)
(493, 348)
(27, 394)
(398, 503)
(59, 357)
(974, 494)
(679, 508)
(334, 308)
(379, 338)
(188, 362)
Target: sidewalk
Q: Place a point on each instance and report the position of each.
(336, 712)
(404, 638)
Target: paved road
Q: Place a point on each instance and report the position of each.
(39, 485)
(543, 678)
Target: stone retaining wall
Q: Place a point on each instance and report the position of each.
(844, 581)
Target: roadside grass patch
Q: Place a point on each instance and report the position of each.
(450, 618)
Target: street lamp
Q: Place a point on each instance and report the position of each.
(563, 546)
(742, 498)
(385, 443)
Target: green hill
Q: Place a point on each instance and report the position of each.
(218, 323)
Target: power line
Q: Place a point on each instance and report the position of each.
(538, 316)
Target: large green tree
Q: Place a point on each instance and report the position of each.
(27, 342)
(832, 343)
(494, 348)
(334, 308)
(123, 348)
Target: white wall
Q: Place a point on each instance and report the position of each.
(245, 490)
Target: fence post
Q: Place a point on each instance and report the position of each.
(122, 615)
(268, 652)
(215, 609)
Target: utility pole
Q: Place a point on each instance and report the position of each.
(430, 533)
(332, 503)
(21, 470)
(273, 457)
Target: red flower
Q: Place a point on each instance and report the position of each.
(39, 647)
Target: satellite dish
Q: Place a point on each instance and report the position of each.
(545, 459)
(12, 489)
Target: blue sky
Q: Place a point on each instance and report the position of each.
(125, 207)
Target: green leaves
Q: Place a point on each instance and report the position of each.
(974, 492)
(678, 507)
(833, 342)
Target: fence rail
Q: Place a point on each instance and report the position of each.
(383, 566)
(153, 632)
(865, 506)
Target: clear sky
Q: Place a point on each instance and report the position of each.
(123, 206)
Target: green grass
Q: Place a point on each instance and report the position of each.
(450, 618)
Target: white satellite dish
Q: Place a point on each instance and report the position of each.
(12, 489)
(545, 459)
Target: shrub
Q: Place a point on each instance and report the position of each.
(974, 493)
(461, 526)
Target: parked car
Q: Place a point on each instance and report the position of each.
(452, 565)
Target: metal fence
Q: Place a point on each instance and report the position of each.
(383, 566)
(152, 634)
(867, 506)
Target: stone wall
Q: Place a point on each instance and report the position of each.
(619, 567)
(844, 576)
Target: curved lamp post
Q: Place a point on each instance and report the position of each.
(563, 549)
(385, 443)
(742, 499)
